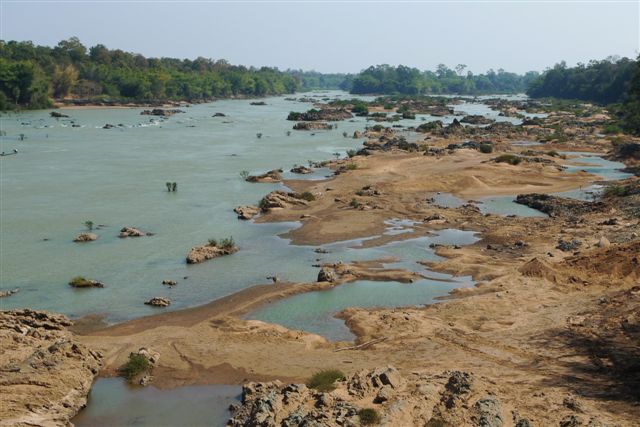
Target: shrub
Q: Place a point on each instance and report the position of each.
(352, 166)
(360, 108)
(486, 148)
(377, 128)
(227, 243)
(213, 242)
(89, 225)
(306, 195)
(244, 174)
(611, 129)
(354, 203)
(262, 204)
(369, 416)
(136, 365)
(508, 158)
(388, 106)
(324, 380)
(351, 153)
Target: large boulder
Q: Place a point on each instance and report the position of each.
(326, 275)
(281, 199)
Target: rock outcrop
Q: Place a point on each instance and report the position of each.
(312, 126)
(85, 237)
(202, 253)
(475, 119)
(160, 112)
(46, 374)
(271, 176)
(557, 206)
(451, 398)
(131, 232)
(247, 212)
(301, 170)
(159, 302)
(280, 199)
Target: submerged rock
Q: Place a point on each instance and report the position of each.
(4, 294)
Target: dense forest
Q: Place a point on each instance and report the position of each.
(312, 80)
(386, 79)
(604, 82)
(31, 75)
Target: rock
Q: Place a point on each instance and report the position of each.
(57, 115)
(4, 294)
(85, 237)
(151, 355)
(475, 119)
(488, 412)
(570, 421)
(523, 422)
(202, 253)
(246, 212)
(280, 199)
(258, 103)
(131, 232)
(324, 114)
(160, 112)
(169, 282)
(312, 126)
(301, 170)
(81, 282)
(146, 380)
(271, 176)
(603, 242)
(459, 382)
(572, 403)
(326, 275)
(385, 394)
(568, 245)
(555, 206)
(108, 126)
(159, 302)
(219, 115)
(610, 221)
(50, 374)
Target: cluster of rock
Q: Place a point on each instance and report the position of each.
(324, 114)
(206, 252)
(46, 374)
(475, 119)
(160, 112)
(281, 199)
(274, 175)
(131, 232)
(555, 206)
(452, 398)
(312, 126)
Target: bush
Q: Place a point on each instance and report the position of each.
(89, 225)
(227, 243)
(352, 166)
(351, 153)
(324, 380)
(486, 148)
(244, 174)
(307, 195)
(377, 128)
(354, 203)
(213, 242)
(611, 129)
(369, 416)
(508, 158)
(136, 365)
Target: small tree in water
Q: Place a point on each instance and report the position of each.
(244, 174)
(336, 155)
(168, 184)
(89, 225)
(174, 186)
(259, 135)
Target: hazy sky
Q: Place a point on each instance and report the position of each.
(333, 36)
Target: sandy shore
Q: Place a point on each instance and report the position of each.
(531, 327)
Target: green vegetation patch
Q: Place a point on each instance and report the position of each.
(511, 159)
(136, 365)
(369, 416)
(324, 380)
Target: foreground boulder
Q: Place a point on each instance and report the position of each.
(46, 374)
(247, 212)
(209, 251)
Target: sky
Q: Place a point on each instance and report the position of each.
(340, 36)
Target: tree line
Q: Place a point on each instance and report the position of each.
(30, 76)
(386, 79)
